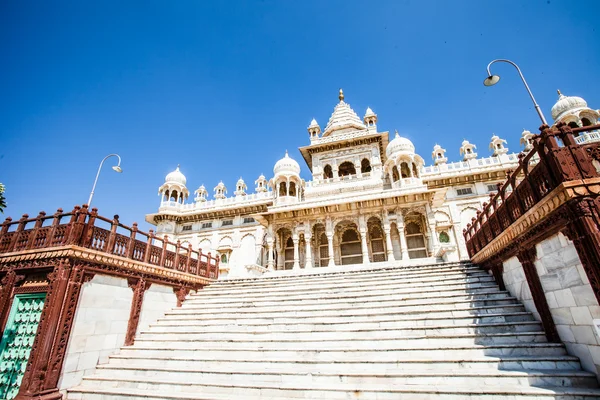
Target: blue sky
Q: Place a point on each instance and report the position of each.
(224, 88)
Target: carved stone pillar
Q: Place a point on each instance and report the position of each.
(459, 239)
(527, 258)
(139, 287)
(43, 370)
(497, 268)
(387, 231)
(403, 244)
(270, 261)
(308, 263)
(364, 246)
(181, 293)
(295, 240)
(331, 262)
(6, 291)
(434, 240)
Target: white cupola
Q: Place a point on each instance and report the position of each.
(220, 191)
(527, 140)
(403, 166)
(286, 183)
(467, 150)
(314, 129)
(370, 119)
(240, 188)
(261, 184)
(497, 146)
(439, 155)
(201, 194)
(399, 145)
(574, 111)
(174, 188)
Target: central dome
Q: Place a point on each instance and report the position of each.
(176, 177)
(566, 104)
(399, 145)
(286, 166)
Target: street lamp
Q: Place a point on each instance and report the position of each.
(117, 168)
(493, 79)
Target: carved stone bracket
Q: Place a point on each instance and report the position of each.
(527, 257)
(139, 287)
(181, 293)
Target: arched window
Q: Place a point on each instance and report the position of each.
(573, 125)
(377, 244)
(323, 250)
(292, 189)
(585, 122)
(174, 195)
(395, 174)
(365, 166)
(415, 171)
(404, 170)
(415, 241)
(444, 237)
(346, 168)
(328, 172)
(350, 248)
(283, 189)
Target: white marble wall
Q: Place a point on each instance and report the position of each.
(99, 327)
(158, 299)
(569, 295)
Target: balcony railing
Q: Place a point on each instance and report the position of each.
(81, 227)
(556, 158)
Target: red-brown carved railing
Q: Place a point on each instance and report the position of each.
(81, 227)
(555, 158)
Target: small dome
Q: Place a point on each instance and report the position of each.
(176, 177)
(240, 181)
(465, 142)
(221, 185)
(369, 112)
(201, 188)
(437, 147)
(286, 166)
(566, 104)
(313, 123)
(399, 145)
(494, 138)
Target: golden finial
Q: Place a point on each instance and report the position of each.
(559, 93)
(341, 96)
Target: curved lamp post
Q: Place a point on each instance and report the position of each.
(117, 168)
(493, 79)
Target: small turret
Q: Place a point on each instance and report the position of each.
(497, 146)
(314, 129)
(201, 194)
(261, 184)
(527, 140)
(370, 118)
(439, 155)
(240, 188)
(467, 150)
(220, 191)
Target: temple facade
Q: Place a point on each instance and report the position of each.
(370, 199)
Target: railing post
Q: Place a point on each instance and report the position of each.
(5, 226)
(71, 231)
(39, 221)
(131, 244)
(217, 259)
(113, 235)
(189, 259)
(149, 246)
(20, 228)
(88, 232)
(163, 254)
(176, 261)
(55, 223)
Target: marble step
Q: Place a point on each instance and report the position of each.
(493, 297)
(367, 293)
(382, 320)
(366, 351)
(344, 331)
(265, 282)
(343, 391)
(194, 379)
(459, 309)
(416, 340)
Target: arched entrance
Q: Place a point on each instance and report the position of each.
(288, 254)
(350, 246)
(415, 240)
(376, 240)
(321, 246)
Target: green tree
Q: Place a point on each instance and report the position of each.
(2, 199)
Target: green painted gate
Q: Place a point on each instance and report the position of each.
(17, 340)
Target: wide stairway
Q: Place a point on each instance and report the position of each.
(441, 331)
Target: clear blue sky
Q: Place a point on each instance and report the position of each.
(224, 88)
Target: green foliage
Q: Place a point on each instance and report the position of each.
(2, 198)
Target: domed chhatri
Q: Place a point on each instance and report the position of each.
(399, 145)
(567, 104)
(176, 177)
(286, 166)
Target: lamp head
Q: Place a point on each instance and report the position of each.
(491, 80)
(117, 168)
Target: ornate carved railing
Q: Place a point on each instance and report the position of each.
(81, 227)
(556, 158)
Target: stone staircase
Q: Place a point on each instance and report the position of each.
(441, 331)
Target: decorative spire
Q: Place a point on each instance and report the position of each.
(397, 135)
(558, 91)
(341, 96)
